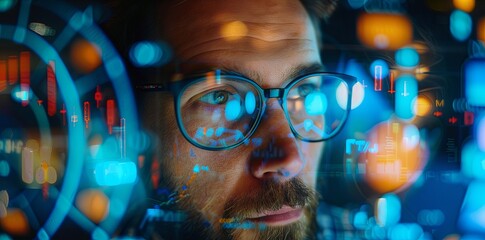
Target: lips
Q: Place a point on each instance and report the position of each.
(283, 216)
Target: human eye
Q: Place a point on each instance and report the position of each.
(305, 89)
(216, 97)
(301, 91)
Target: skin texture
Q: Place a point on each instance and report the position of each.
(275, 45)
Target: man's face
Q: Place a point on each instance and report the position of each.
(268, 183)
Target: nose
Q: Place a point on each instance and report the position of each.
(278, 157)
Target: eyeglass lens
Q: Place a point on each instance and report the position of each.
(218, 113)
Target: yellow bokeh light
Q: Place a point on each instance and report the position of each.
(398, 160)
(85, 56)
(384, 30)
(234, 30)
(15, 222)
(464, 5)
(94, 204)
(422, 106)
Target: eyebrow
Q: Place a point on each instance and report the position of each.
(288, 74)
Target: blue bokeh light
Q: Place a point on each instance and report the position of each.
(407, 57)
(460, 25)
(6, 4)
(388, 210)
(474, 70)
(250, 102)
(472, 217)
(379, 64)
(233, 110)
(406, 94)
(21, 95)
(316, 103)
(146, 54)
(473, 161)
(113, 173)
(405, 231)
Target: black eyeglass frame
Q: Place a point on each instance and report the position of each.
(178, 87)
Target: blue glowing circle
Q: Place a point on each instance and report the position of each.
(406, 94)
(407, 57)
(379, 69)
(233, 110)
(6, 5)
(250, 102)
(209, 132)
(220, 131)
(474, 85)
(388, 210)
(405, 231)
(308, 124)
(460, 25)
(473, 163)
(21, 95)
(113, 173)
(316, 103)
(144, 54)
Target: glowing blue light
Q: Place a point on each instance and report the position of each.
(307, 124)
(434, 217)
(473, 161)
(233, 110)
(144, 54)
(316, 103)
(6, 5)
(480, 132)
(20, 95)
(474, 85)
(112, 173)
(460, 25)
(4, 168)
(99, 233)
(472, 217)
(388, 210)
(250, 102)
(405, 231)
(407, 57)
(406, 94)
(379, 67)
(219, 131)
(209, 132)
(360, 220)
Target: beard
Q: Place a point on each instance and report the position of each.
(270, 197)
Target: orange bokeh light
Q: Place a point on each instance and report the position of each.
(422, 106)
(398, 160)
(384, 30)
(464, 5)
(94, 204)
(15, 222)
(85, 56)
(481, 29)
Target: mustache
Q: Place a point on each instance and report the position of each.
(271, 196)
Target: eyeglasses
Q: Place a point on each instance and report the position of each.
(219, 110)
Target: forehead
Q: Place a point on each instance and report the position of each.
(202, 32)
